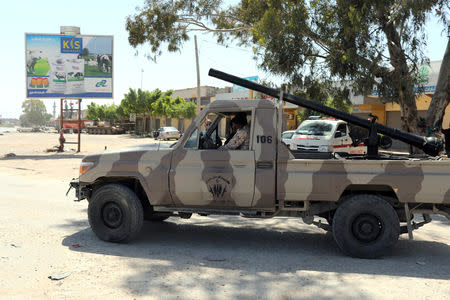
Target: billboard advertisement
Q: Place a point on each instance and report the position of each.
(238, 88)
(65, 66)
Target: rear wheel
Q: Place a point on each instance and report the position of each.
(115, 213)
(365, 226)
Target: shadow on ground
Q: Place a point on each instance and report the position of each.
(228, 242)
(41, 157)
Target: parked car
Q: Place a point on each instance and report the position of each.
(25, 129)
(166, 133)
(286, 137)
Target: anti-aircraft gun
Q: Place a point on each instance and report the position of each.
(430, 145)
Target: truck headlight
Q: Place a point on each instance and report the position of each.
(85, 166)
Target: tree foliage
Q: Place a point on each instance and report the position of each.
(103, 112)
(157, 103)
(34, 113)
(322, 93)
(167, 106)
(364, 43)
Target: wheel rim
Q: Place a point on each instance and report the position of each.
(366, 228)
(112, 215)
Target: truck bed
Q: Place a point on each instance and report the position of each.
(326, 177)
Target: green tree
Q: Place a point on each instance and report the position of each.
(92, 112)
(111, 114)
(34, 113)
(167, 106)
(129, 102)
(102, 112)
(186, 110)
(320, 92)
(364, 42)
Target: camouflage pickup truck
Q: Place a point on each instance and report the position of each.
(366, 203)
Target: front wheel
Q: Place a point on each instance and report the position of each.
(115, 213)
(365, 226)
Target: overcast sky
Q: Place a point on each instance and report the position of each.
(172, 70)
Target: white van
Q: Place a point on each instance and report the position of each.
(325, 135)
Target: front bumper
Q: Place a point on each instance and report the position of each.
(81, 191)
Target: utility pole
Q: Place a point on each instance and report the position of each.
(198, 75)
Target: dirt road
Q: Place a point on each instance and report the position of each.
(44, 233)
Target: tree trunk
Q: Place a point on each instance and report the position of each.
(150, 119)
(441, 98)
(402, 77)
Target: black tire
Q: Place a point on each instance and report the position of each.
(115, 213)
(365, 226)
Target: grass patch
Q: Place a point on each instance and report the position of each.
(94, 71)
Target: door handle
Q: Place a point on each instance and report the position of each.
(239, 165)
(264, 165)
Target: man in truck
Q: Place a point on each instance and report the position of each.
(240, 140)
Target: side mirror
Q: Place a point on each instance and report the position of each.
(338, 134)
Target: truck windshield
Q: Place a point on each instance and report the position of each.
(314, 128)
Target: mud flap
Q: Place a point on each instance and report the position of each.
(410, 226)
(408, 222)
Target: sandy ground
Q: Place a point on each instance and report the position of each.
(44, 233)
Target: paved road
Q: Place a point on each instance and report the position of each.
(44, 233)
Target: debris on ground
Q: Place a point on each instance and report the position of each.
(76, 246)
(60, 276)
(15, 245)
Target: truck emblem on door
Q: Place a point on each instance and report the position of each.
(217, 186)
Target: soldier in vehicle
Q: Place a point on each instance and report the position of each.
(240, 139)
(230, 132)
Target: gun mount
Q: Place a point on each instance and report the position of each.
(430, 145)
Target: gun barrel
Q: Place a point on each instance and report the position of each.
(430, 145)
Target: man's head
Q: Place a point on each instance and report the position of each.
(208, 123)
(240, 119)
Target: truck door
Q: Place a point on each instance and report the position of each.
(210, 177)
(265, 147)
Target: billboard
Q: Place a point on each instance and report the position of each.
(238, 88)
(69, 66)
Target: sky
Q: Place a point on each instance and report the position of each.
(131, 69)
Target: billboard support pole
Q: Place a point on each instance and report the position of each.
(61, 116)
(79, 125)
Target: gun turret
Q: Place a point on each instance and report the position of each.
(430, 145)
